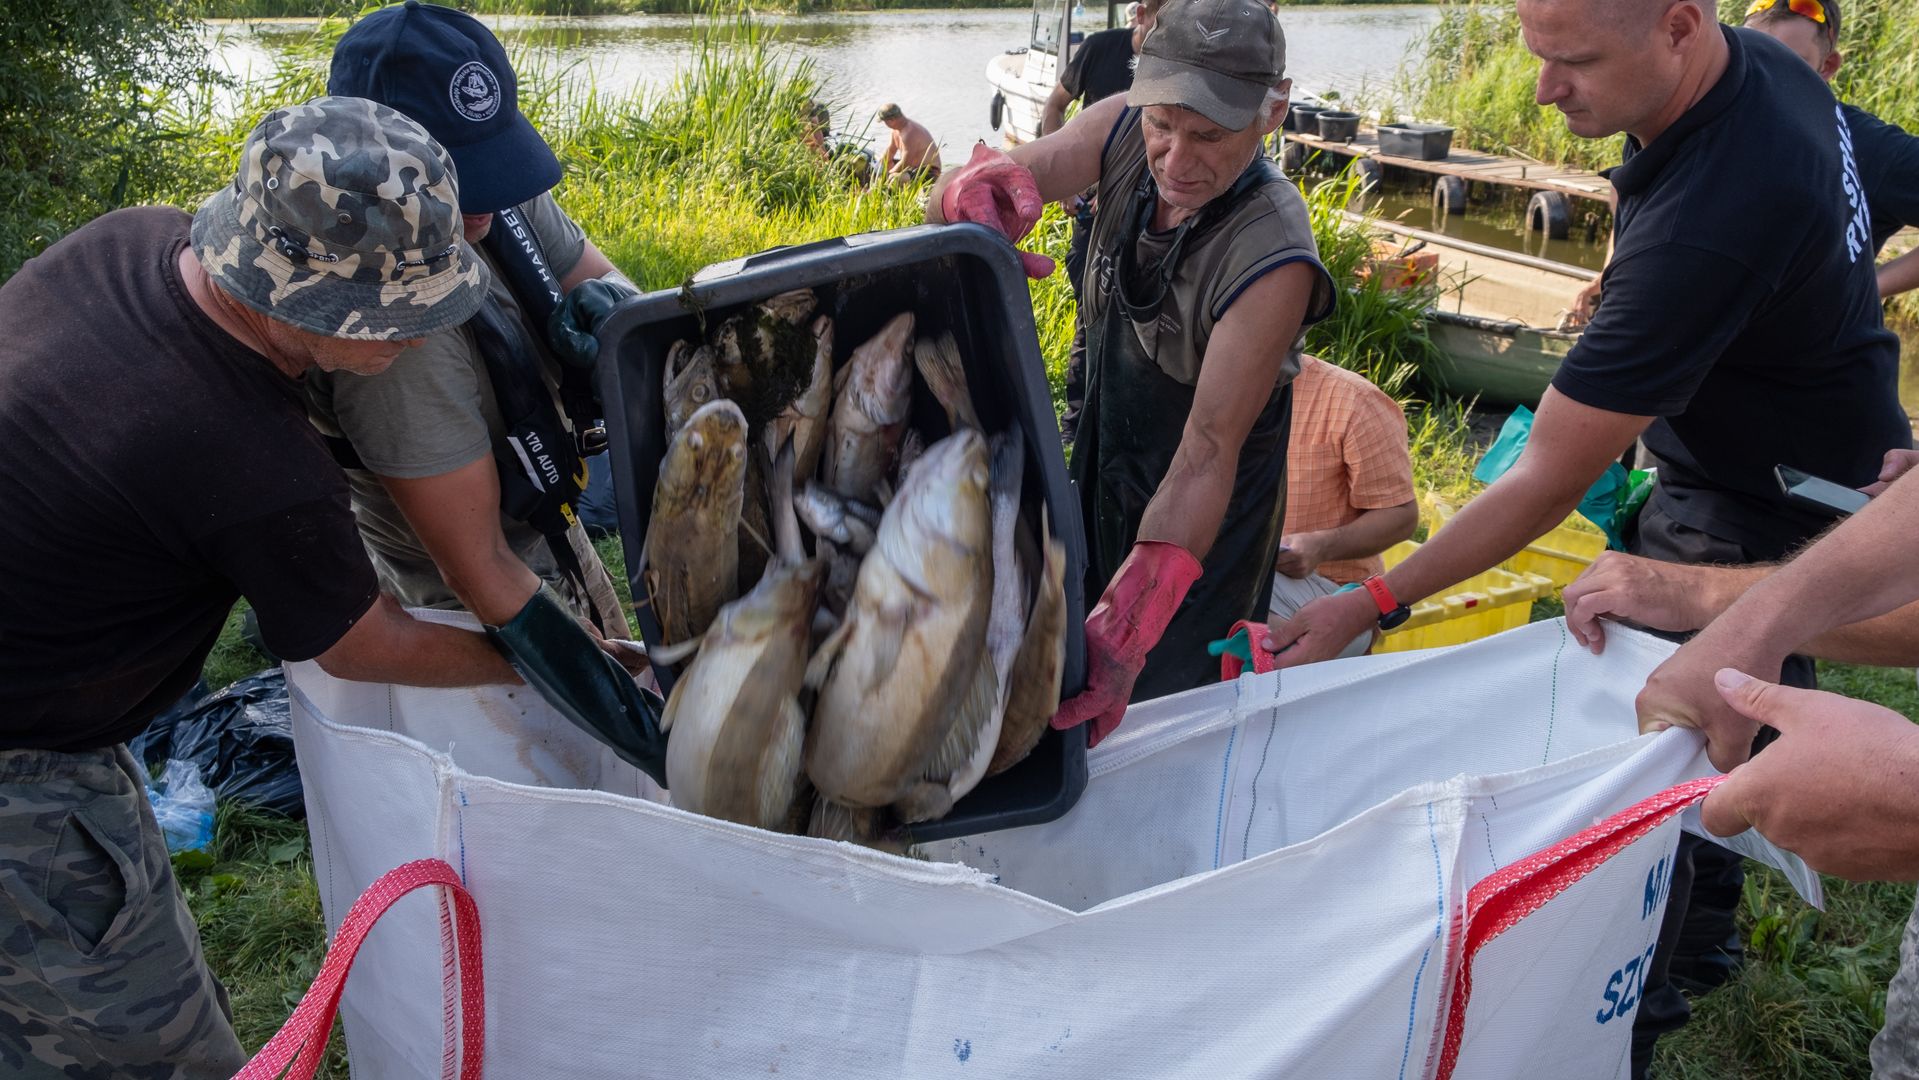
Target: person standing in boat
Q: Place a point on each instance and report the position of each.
(1731, 347)
(1101, 67)
(1202, 277)
(1888, 158)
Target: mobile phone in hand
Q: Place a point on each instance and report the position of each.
(1814, 493)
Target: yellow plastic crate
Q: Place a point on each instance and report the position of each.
(1559, 556)
(1481, 606)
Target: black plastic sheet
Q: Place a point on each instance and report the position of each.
(240, 737)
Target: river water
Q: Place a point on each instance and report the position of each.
(933, 63)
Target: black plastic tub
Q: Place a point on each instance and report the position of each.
(1305, 118)
(1340, 127)
(1422, 142)
(961, 277)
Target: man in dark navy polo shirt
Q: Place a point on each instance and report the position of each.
(1741, 329)
(1888, 157)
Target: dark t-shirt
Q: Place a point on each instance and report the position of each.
(1889, 168)
(152, 471)
(1741, 306)
(1101, 67)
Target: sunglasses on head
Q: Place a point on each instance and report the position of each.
(1810, 9)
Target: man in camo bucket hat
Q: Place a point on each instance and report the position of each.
(343, 221)
(157, 465)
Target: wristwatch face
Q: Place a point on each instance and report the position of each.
(1395, 618)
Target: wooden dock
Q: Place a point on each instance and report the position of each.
(1472, 166)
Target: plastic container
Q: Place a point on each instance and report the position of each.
(1339, 127)
(1305, 118)
(1559, 556)
(1422, 142)
(962, 278)
(1481, 606)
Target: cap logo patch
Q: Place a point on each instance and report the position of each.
(475, 91)
(1211, 35)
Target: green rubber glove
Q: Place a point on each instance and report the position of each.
(558, 658)
(574, 329)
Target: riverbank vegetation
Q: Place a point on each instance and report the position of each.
(318, 9)
(712, 168)
(1472, 70)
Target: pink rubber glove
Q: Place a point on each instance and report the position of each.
(1231, 666)
(1125, 626)
(993, 190)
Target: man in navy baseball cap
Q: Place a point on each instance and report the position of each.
(466, 464)
(447, 71)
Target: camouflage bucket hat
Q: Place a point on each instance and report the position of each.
(344, 221)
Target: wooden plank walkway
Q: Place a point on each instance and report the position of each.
(1472, 165)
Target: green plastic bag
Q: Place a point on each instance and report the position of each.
(1612, 501)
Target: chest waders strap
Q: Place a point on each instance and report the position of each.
(521, 258)
(541, 472)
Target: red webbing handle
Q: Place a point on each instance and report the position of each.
(295, 1052)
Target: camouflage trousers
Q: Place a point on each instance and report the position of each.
(101, 973)
(1895, 1053)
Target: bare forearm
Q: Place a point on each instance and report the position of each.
(1191, 501)
(387, 645)
(593, 264)
(1899, 275)
(1371, 532)
(1860, 570)
(496, 588)
(1518, 509)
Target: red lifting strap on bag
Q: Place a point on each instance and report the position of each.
(1500, 901)
(302, 1042)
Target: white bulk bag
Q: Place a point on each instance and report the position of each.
(1281, 876)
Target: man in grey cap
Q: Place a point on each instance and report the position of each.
(166, 417)
(1202, 277)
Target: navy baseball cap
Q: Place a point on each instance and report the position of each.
(446, 70)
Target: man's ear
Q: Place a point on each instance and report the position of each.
(1278, 117)
(1830, 66)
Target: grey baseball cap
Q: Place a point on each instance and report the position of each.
(344, 220)
(1216, 57)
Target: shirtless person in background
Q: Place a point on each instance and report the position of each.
(912, 154)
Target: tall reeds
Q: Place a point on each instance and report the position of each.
(1472, 70)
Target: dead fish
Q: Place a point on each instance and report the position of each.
(845, 522)
(1005, 625)
(871, 397)
(877, 829)
(764, 355)
(690, 383)
(754, 544)
(842, 572)
(804, 419)
(690, 565)
(737, 728)
(1041, 663)
(939, 363)
(907, 666)
(911, 447)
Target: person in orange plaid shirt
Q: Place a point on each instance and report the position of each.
(1349, 484)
